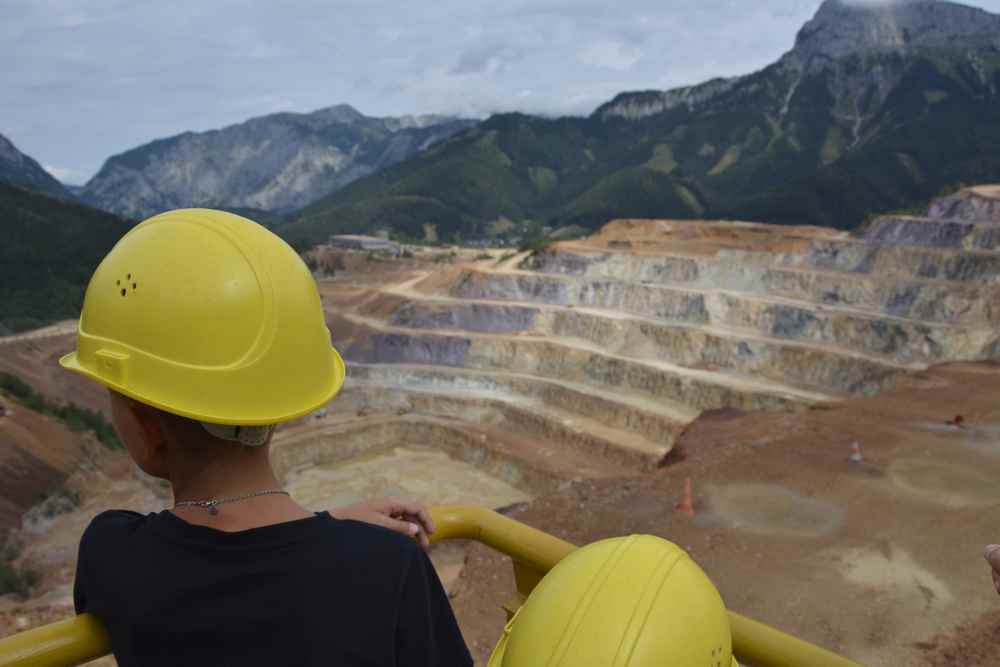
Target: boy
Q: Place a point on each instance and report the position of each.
(208, 331)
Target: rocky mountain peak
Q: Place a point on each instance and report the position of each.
(838, 30)
(8, 153)
(24, 171)
(844, 27)
(339, 113)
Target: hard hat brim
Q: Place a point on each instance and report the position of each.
(71, 362)
(496, 658)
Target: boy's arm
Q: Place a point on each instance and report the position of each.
(427, 633)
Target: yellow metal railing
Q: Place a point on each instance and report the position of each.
(82, 638)
(64, 644)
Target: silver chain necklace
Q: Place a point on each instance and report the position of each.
(211, 505)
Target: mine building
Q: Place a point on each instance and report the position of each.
(357, 242)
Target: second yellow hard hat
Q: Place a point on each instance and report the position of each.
(636, 601)
(208, 315)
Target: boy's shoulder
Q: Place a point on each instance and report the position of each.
(366, 536)
(114, 521)
(347, 534)
(106, 530)
(356, 541)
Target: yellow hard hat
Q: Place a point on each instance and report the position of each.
(636, 601)
(208, 315)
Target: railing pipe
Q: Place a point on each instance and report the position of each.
(530, 546)
(67, 643)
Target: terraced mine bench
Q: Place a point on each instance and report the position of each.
(605, 350)
(533, 553)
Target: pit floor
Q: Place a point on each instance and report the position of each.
(427, 475)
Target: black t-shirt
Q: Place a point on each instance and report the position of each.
(316, 591)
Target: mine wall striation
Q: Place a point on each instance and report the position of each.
(607, 348)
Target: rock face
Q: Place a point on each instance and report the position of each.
(19, 169)
(859, 47)
(842, 28)
(273, 163)
(979, 204)
(865, 46)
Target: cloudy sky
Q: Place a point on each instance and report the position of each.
(85, 79)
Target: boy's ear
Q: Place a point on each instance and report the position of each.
(153, 431)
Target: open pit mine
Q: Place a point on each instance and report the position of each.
(828, 395)
(590, 358)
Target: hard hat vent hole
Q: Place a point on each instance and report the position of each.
(123, 284)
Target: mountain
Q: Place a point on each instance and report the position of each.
(49, 249)
(19, 169)
(273, 163)
(876, 107)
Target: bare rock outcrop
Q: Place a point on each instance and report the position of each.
(976, 204)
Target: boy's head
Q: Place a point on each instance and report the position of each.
(160, 442)
(210, 324)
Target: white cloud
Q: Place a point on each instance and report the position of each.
(95, 78)
(609, 54)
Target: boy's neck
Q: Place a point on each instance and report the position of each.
(229, 476)
(222, 476)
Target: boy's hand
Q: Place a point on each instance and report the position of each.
(992, 555)
(403, 516)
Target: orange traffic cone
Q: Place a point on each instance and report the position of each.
(686, 505)
(856, 456)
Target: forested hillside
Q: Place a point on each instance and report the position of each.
(48, 250)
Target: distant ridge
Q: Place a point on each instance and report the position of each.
(273, 163)
(874, 108)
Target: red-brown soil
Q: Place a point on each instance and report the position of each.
(887, 586)
(36, 361)
(37, 454)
